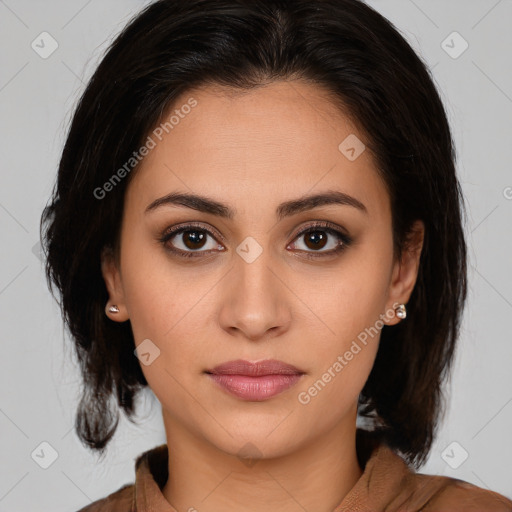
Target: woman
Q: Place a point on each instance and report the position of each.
(257, 215)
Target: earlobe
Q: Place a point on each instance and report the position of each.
(115, 308)
(405, 272)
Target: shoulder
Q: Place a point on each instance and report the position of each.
(454, 495)
(390, 484)
(149, 465)
(119, 501)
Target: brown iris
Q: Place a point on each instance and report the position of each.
(194, 239)
(317, 238)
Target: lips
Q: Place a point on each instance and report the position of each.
(266, 367)
(255, 382)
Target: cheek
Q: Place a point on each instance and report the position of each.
(351, 308)
(346, 354)
(161, 306)
(166, 304)
(351, 297)
(154, 296)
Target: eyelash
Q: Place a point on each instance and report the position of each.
(315, 226)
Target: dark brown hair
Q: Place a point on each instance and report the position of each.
(350, 51)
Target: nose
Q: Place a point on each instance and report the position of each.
(256, 303)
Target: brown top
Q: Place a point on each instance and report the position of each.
(387, 484)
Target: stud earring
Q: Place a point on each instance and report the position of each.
(400, 311)
(113, 309)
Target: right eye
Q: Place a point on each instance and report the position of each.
(189, 241)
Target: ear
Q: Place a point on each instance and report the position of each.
(405, 271)
(113, 282)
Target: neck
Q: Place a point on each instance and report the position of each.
(316, 476)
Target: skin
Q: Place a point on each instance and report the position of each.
(253, 151)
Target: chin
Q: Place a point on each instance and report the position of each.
(249, 441)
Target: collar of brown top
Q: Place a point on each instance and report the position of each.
(387, 483)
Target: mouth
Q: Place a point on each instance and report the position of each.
(255, 381)
(256, 369)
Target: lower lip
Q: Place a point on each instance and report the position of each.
(255, 388)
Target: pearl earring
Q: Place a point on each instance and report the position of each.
(400, 311)
(113, 309)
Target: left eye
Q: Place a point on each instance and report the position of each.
(320, 239)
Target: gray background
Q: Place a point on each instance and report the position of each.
(40, 383)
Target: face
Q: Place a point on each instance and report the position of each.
(259, 275)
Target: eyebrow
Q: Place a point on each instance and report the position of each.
(285, 209)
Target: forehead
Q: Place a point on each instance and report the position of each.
(281, 139)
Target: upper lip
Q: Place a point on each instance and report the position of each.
(266, 367)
